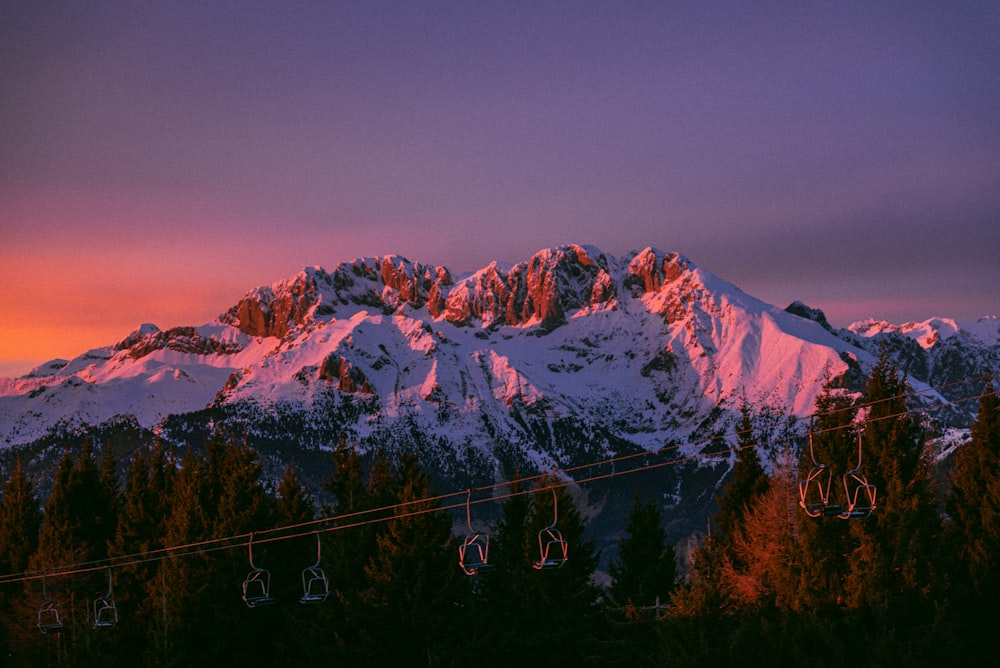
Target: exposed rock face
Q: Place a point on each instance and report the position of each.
(349, 378)
(814, 314)
(650, 272)
(648, 346)
(386, 283)
(179, 339)
(272, 311)
(483, 297)
(438, 291)
(542, 290)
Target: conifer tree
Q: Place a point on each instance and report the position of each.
(294, 503)
(710, 589)
(145, 507)
(299, 632)
(77, 525)
(413, 581)
(110, 491)
(77, 528)
(504, 596)
(974, 500)
(758, 569)
(643, 578)
(347, 550)
(890, 566)
(20, 519)
(646, 571)
(973, 546)
(748, 480)
(821, 569)
(553, 616)
(182, 580)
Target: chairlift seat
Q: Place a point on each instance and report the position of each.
(257, 588)
(315, 585)
(553, 550)
(814, 494)
(860, 496)
(49, 618)
(473, 554)
(105, 612)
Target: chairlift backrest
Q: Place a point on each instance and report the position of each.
(858, 493)
(315, 585)
(553, 550)
(257, 588)
(49, 617)
(473, 553)
(860, 497)
(105, 610)
(257, 585)
(814, 491)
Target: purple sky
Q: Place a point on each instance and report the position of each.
(160, 159)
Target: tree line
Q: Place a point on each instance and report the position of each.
(913, 583)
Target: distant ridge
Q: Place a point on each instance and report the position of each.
(643, 348)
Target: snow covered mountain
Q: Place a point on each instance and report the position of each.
(569, 357)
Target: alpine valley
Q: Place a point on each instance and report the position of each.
(570, 358)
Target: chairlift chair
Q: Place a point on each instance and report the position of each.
(553, 550)
(49, 617)
(257, 585)
(814, 492)
(105, 610)
(859, 494)
(315, 585)
(474, 552)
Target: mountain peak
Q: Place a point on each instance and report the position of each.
(644, 348)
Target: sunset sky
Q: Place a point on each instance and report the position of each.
(158, 160)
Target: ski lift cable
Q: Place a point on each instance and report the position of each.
(242, 540)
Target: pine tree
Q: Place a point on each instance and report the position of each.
(890, 567)
(974, 500)
(646, 571)
(759, 573)
(182, 579)
(346, 551)
(821, 569)
(973, 545)
(298, 632)
(77, 529)
(294, 503)
(145, 507)
(710, 590)
(413, 580)
(643, 579)
(749, 480)
(551, 616)
(20, 519)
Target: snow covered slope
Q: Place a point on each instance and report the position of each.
(645, 348)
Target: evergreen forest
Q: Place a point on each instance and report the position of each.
(852, 549)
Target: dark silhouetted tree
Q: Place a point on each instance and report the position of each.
(20, 519)
(646, 571)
